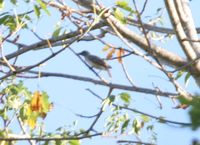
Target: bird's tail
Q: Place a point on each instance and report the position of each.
(109, 73)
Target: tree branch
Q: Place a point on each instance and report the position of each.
(49, 138)
(52, 40)
(134, 142)
(111, 85)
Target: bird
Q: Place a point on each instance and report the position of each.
(85, 3)
(95, 61)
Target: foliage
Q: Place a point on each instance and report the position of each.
(28, 107)
(123, 29)
(194, 111)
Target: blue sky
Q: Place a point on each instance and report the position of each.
(70, 96)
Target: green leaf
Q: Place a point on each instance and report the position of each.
(195, 117)
(37, 11)
(195, 112)
(74, 142)
(13, 2)
(183, 100)
(105, 103)
(125, 125)
(1, 4)
(136, 126)
(187, 78)
(58, 142)
(111, 98)
(179, 74)
(43, 6)
(3, 113)
(120, 16)
(145, 118)
(57, 32)
(125, 97)
(124, 5)
(150, 127)
(12, 21)
(108, 101)
(161, 119)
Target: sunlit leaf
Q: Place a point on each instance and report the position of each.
(106, 47)
(188, 75)
(120, 53)
(183, 100)
(124, 5)
(110, 53)
(32, 121)
(120, 16)
(74, 142)
(179, 74)
(125, 97)
(56, 33)
(36, 102)
(145, 118)
(105, 103)
(14, 22)
(1, 4)
(37, 11)
(43, 6)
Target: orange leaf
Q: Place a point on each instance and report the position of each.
(36, 104)
(120, 52)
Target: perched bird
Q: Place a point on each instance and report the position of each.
(85, 3)
(95, 61)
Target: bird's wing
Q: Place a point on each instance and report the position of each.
(98, 61)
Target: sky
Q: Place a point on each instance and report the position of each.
(70, 96)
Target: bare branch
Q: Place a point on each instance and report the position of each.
(49, 138)
(134, 142)
(111, 85)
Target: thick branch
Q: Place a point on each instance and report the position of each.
(188, 24)
(181, 35)
(48, 138)
(43, 43)
(111, 85)
(140, 41)
(154, 28)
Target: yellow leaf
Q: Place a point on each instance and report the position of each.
(31, 118)
(110, 53)
(106, 47)
(32, 122)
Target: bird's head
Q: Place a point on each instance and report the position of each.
(84, 53)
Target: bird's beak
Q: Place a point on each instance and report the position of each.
(80, 53)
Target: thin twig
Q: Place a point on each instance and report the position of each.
(99, 114)
(144, 6)
(134, 142)
(143, 113)
(127, 75)
(179, 89)
(105, 81)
